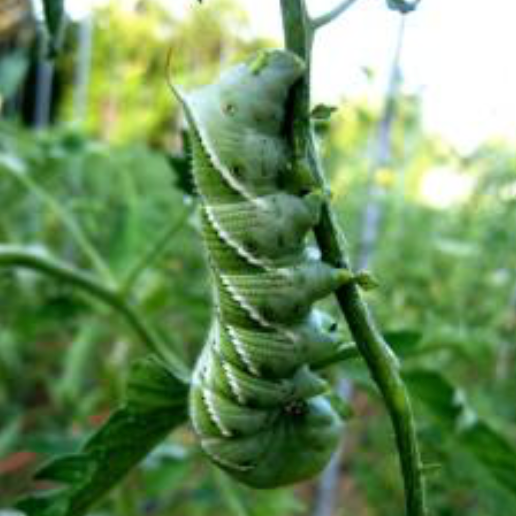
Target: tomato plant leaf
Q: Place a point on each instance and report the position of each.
(491, 449)
(155, 404)
(403, 342)
(437, 394)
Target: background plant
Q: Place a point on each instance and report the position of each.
(446, 301)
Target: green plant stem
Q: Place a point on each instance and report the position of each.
(347, 351)
(382, 363)
(68, 221)
(18, 257)
(153, 253)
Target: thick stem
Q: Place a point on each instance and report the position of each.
(379, 358)
(16, 257)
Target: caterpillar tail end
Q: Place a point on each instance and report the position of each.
(299, 446)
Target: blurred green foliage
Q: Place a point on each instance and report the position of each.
(109, 197)
(448, 272)
(135, 52)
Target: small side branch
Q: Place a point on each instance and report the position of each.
(347, 351)
(20, 257)
(321, 21)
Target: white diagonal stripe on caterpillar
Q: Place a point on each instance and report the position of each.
(233, 382)
(230, 241)
(211, 407)
(256, 316)
(241, 350)
(217, 164)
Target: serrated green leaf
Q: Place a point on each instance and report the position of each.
(495, 453)
(70, 469)
(488, 447)
(403, 342)
(155, 404)
(43, 505)
(151, 386)
(436, 393)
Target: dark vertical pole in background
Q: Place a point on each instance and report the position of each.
(44, 81)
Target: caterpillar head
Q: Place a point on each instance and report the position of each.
(239, 120)
(254, 93)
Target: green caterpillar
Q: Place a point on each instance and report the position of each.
(258, 408)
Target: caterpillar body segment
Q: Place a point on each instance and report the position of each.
(259, 410)
(271, 229)
(282, 296)
(277, 353)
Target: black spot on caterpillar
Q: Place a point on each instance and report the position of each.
(259, 410)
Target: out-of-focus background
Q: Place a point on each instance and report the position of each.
(421, 157)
